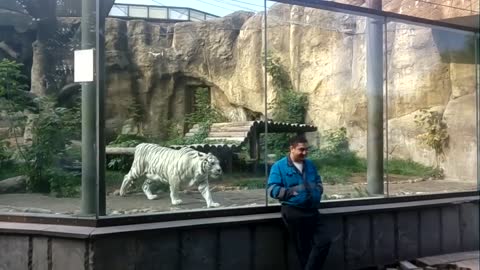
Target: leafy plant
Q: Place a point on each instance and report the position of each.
(335, 160)
(13, 87)
(204, 116)
(436, 134)
(204, 112)
(52, 132)
(64, 184)
(288, 105)
(412, 168)
(5, 152)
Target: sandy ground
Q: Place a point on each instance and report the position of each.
(138, 203)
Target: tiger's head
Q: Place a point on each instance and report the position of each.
(211, 165)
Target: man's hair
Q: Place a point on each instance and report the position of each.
(297, 139)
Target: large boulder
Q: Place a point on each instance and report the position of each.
(14, 185)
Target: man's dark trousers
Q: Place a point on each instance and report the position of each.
(309, 235)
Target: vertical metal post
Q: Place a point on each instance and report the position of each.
(265, 85)
(100, 107)
(89, 200)
(385, 48)
(477, 102)
(375, 101)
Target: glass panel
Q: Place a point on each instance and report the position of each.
(41, 109)
(139, 12)
(197, 16)
(178, 14)
(188, 84)
(317, 62)
(157, 13)
(209, 17)
(431, 110)
(464, 12)
(119, 10)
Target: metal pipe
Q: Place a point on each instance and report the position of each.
(375, 101)
(477, 101)
(100, 108)
(265, 85)
(385, 48)
(89, 200)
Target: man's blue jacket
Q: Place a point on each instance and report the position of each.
(285, 179)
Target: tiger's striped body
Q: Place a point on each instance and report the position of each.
(175, 167)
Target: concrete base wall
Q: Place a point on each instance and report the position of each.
(363, 236)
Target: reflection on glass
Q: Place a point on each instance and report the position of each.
(192, 85)
(40, 110)
(431, 110)
(317, 75)
(463, 13)
(197, 16)
(139, 12)
(178, 14)
(157, 13)
(209, 17)
(119, 10)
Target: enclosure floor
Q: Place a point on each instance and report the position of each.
(138, 203)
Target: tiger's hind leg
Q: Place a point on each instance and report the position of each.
(127, 182)
(146, 187)
(133, 174)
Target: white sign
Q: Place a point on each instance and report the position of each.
(84, 67)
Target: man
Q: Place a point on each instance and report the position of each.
(295, 182)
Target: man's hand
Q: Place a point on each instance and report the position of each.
(291, 193)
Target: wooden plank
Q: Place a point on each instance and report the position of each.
(269, 248)
(120, 150)
(469, 264)
(335, 258)
(384, 238)
(228, 134)
(469, 221)
(231, 129)
(449, 258)
(357, 242)
(233, 124)
(430, 232)
(407, 235)
(406, 265)
(450, 229)
(234, 139)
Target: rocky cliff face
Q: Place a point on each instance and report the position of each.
(156, 67)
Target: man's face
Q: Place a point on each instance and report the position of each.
(299, 152)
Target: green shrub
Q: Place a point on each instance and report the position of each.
(5, 153)
(412, 168)
(288, 105)
(204, 115)
(53, 131)
(64, 184)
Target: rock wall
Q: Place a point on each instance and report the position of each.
(155, 66)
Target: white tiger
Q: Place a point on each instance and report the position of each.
(174, 167)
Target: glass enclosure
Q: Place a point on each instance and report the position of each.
(193, 105)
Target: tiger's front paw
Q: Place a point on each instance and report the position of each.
(213, 205)
(152, 197)
(177, 202)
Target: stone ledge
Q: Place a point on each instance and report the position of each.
(84, 232)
